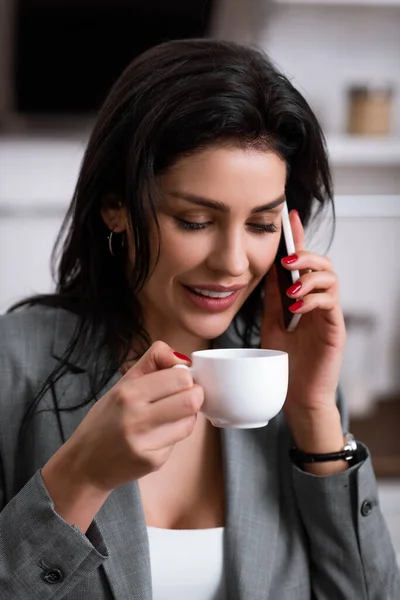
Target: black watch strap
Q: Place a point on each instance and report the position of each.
(348, 453)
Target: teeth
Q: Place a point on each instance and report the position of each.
(211, 293)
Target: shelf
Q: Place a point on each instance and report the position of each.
(348, 151)
(374, 3)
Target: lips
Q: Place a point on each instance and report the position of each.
(213, 297)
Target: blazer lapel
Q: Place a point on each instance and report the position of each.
(252, 492)
(122, 524)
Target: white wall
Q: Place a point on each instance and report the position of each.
(325, 49)
(37, 180)
(365, 257)
(25, 246)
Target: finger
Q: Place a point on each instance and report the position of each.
(176, 407)
(307, 261)
(159, 356)
(297, 230)
(155, 386)
(323, 301)
(170, 434)
(312, 282)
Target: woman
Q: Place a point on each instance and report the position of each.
(170, 246)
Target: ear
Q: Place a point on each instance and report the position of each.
(113, 213)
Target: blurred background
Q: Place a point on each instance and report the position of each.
(58, 59)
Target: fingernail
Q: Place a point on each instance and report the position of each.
(296, 211)
(296, 306)
(181, 356)
(294, 288)
(289, 260)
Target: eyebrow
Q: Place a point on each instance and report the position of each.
(217, 205)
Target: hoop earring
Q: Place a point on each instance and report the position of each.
(110, 248)
(110, 243)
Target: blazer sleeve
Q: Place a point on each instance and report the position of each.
(41, 555)
(351, 552)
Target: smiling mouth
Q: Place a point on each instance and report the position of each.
(214, 300)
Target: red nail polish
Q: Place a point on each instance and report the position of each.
(296, 305)
(294, 288)
(289, 260)
(181, 356)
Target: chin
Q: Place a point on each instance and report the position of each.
(209, 330)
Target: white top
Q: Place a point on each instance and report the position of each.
(187, 563)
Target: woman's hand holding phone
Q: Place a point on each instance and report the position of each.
(315, 347)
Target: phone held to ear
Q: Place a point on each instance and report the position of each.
(286, 278)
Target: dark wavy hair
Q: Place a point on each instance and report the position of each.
(175, 99)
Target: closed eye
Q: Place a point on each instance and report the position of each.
(258, 228)
(191, 225)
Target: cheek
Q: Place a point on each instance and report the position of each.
(180, 253)
(263, 257)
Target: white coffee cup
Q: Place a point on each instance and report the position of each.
(243, 388)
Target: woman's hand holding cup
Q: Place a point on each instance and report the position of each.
(127, 434)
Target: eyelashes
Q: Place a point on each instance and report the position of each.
(190, 225)
(263, 228)
(258, 228)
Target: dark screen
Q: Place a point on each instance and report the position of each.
(68, 53)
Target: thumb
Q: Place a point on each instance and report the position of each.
(272, 309)
(159, 356)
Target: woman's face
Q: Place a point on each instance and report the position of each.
(220, 227)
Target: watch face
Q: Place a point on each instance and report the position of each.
(351, 446)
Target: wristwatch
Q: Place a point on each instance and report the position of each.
(348, 453)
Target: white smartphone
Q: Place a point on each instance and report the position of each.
(286, 278)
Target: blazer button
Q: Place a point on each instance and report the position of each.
(53, 575)
(366, 508)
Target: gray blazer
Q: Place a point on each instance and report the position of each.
(289, 535)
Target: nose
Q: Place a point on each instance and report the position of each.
(229, 254)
